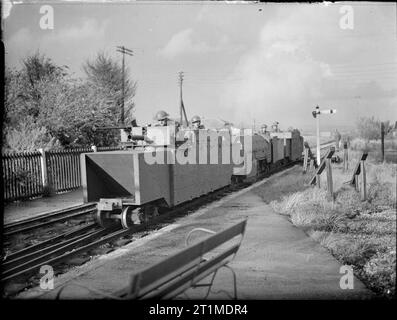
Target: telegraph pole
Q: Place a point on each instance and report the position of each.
(181, 105)
(123, 50)
(316, 114)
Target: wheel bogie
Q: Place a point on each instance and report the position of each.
(128, 216)
(148, 212)
(106, 219)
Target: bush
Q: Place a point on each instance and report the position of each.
(359, 144)
(368, 128)
(27, 137)
(356, 253)
(350, 200)
(20, 177)
(381, 272)
(381, 195)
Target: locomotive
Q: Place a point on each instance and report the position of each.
(162, 167)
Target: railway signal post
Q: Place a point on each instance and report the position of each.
(316, 114)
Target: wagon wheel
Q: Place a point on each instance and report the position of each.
(104, 220)
(148, 212)
(126, 219)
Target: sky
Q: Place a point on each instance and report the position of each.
(248, 63)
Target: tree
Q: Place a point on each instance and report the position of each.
(37, 69)
(106, 74)
(368, 128)
(27, 137)
(45, 106)
(74, 109)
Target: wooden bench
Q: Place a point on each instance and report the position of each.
(185, 269)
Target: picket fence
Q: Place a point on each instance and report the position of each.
(26, 173)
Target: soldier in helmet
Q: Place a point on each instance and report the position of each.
(263, 128)
(275, 126)
(162, 118)
(196, 123)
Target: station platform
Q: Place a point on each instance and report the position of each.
(20, 210)
(276, 260)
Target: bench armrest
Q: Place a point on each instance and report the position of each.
(195, 230)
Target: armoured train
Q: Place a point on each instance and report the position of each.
(162, 167)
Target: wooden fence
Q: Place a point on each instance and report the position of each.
(26, 173)
(22, 175)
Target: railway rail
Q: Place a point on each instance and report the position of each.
(48, 219)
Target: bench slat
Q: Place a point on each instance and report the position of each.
(223, 236)
(183, 258)
(162, 271)
(203, 271)
(186, 268)
(167, 273)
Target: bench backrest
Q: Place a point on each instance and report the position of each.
(184, 268)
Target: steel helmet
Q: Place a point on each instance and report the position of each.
(161, 115)
(195, 119)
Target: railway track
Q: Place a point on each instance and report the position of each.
(65, 246)
(48, 219)
(26, 263)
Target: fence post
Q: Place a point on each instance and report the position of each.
(357, 184)
(305, 159)
(311, 165)
(44, 170)
(363, 181)
(330, 185)
(345, 157)
(382, 137)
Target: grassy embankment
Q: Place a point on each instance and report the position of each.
(357, 233)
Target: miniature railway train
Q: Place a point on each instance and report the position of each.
(161, 167)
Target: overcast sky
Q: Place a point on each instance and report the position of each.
(242, 62)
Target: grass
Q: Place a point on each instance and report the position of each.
(357, 233)
(374, 148)
(372, 145)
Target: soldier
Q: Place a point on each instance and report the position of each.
(275, 126)
(196, 123)
(263, 128)
(162, 119)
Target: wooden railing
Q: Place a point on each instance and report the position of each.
(22, 175)
(63, 169)
(31, 174)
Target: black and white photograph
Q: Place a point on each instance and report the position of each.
(213, 151)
